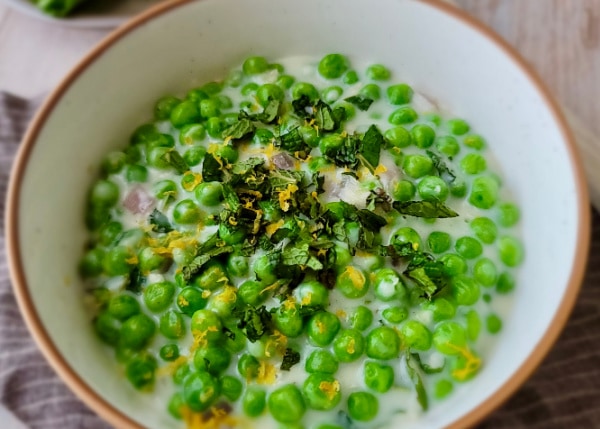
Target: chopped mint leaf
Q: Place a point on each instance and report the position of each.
(363, 103)
(254, 322)
(426, 209)
(290, 358)
(159, 222)
(175, 160)
(292, 141)
(211, 169)
(371, 144)
(240, 129)
(415, 377)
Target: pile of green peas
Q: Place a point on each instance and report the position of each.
(152, 317)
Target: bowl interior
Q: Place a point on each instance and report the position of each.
(466, 72)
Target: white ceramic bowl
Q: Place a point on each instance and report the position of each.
(434, 47)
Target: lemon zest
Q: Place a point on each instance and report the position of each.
(266, 373)
(286, 195)
(329, 388)
(190, 186)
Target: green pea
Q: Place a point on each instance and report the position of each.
(473, 163)
(349, 345)
(485, 272)
(209, 193)
(248, 367)
(352, 282)
(212, 88)
(312, 293)
(378, 72)
(237, 265)
(234, 79)
(484, 192)
(398, 136)
(196, 95)
(400, 94)
(362, 406)
(462, 369)
(448, 145)
(458, 127)
(417, 166)
(165, 189)
(458, 188)
(143, 134)
(439, 241)
(91, 263)
(190, 300)
(395, 315)
(485, 229)
(493, 324)
(433, 188)
(349, 109)
(164, 106)
(333, 66)
(285, 81)
(263, 136)
(474, 141)
(310, 136)
(224, 102)
(286, 404)
(113, 162)
(231, 387)
(509, 215)
(403, 115)
(407, 235)
(201, 390)
(109, 233)
(442, 309)
(208, 323)
(228, 153)
(209, 108)
(388, 285)
(449, 338)
(181, 374)
(213, 276)
(371, 91)
(172, 325)
(149, 261)
(117, 261)
(254, 401)
(416, 335)
(214, 127)
(138, 173)
(122, 307)
(468, 247)
(249, 88)
(350, 78)
(270, 91)
(511, 251)
(423, 135)
(155, 157)
(289, 321)
(404, 190)
(107, 328)
(255, 65)
(186, 212)
(140, 371)
(330, 144)
(264, 267)
(473, 325)
(383, 343)
(442, 388)
(322, 392)
(304, 89)
(194, 156)
(453, 264)
(506, 283)
(212, 359)
(361, 318)
(321, 361)
(465, 290)
(378, 377)
(159, 296)
(169, 352)
(250, 292)
(137, 331)
(161, 140)
(271, 211)
(322, 328)
(104, 193)
(176, 404)
(186, 112)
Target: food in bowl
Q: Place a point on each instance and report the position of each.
(303, 243)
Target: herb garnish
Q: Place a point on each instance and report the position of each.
(290, 358)
(363, 103)
(175, 160)
(426, 209)
(159, 222)
(255, 322)
(415, 377)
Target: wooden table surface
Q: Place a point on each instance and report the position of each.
(561, 38)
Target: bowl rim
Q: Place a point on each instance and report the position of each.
(112, 415)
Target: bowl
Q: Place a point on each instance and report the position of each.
(438, 49)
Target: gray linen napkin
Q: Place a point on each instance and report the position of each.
(563, 393)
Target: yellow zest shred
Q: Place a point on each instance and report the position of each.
(307, 299)
(351, 348)
(329, 388)
(289, 304)
(132, 260)
(199, 340)
(356, 277)
(266, 373)
(472, 365)
(314, 195)
(182, 302)
(273, 227)
(226, 140)
(276, 342)
(232, 221)
(228, 296)
(217, 419)
(380, 169)
(320, 327)
(415, 246)
(206, 294)
(191, 185)
(321, 252)
(270, 287)
(171, 367)
(341, 314)
(286, 196)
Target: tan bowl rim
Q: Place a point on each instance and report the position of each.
(116, 417)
